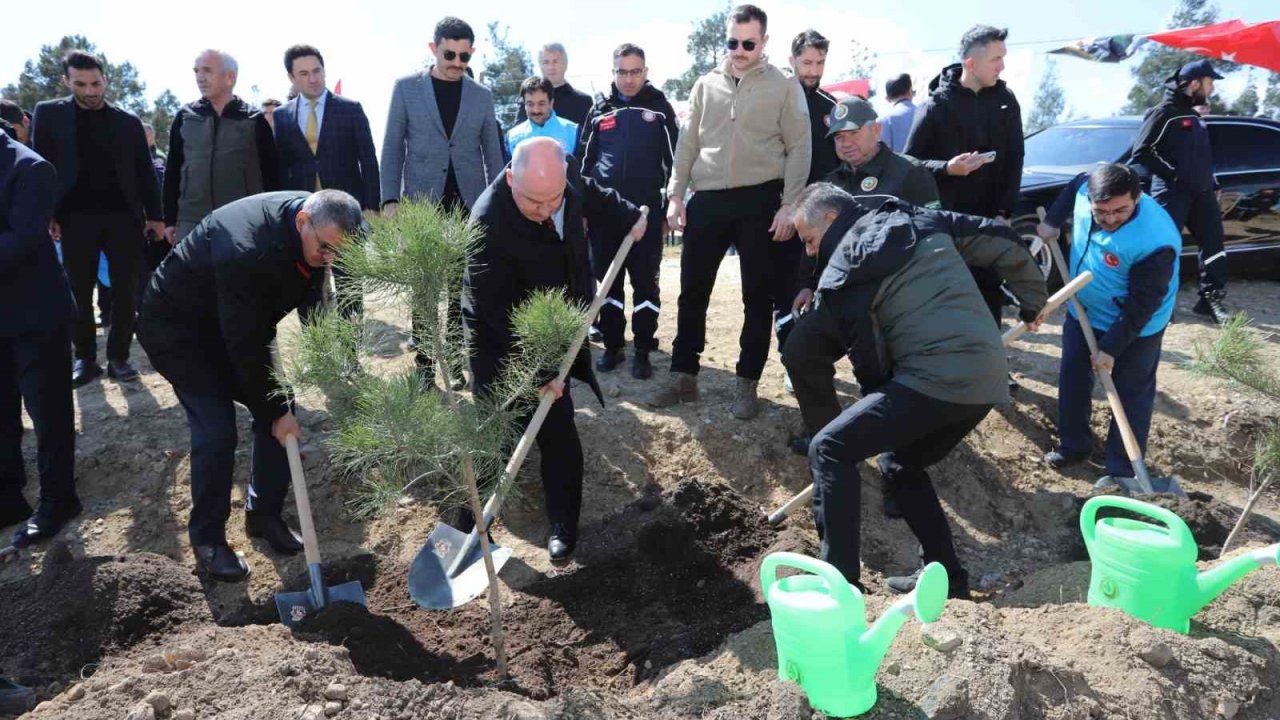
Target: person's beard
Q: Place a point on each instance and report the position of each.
(1199, 97)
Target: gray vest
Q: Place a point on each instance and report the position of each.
(220, 164)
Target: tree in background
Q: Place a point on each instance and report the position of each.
(1050, 101)
(864, 63)
(41, 79)
(1271, 100)
(1247, 102)
(706, 47)
(1160, 61)
(503, 72)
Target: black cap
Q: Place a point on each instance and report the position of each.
(1197, 69)
(850, 113)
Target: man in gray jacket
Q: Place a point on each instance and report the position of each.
(897, 298)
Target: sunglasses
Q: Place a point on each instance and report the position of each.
(450, 55)
(748, 45)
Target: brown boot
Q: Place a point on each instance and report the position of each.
(745, 405)
(680, 387)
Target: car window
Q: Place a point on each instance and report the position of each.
(1239, 146)
(1073, 145)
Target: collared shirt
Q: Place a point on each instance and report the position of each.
(304, 109)
(896, 125)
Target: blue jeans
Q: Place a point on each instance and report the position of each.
(1134, 374)
(213, 455)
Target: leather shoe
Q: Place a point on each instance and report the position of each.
(562, 543)
(14, 508)
(641, 368)
(84, 372)
(122, 371)
(220, 562)
(957, 584)
(611, 359)
(47, 521)
(274, 530)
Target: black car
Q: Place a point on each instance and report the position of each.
(1246, 154)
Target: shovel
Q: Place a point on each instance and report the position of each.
(1013, 333)
(448, 571)
(296, 606)
(1141, 482)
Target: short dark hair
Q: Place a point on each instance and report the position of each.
(900, 85)
(980, 36)
(626, 50)
(537, 84)
(300, 51)
(81, 60)
(452, 28)
(1112, 181)
(11, 112)
(809, 39)
(747, 13)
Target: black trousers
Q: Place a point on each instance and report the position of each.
(642, 265)
(1200, 214)
(810, 355)
(36, 369)
(716, 220)
(920, 430)
(119, 235)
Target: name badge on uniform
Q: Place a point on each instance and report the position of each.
(608, 123)
(869, 184)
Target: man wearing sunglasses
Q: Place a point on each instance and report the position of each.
(442, 142)
(208, 321)
(745, 155)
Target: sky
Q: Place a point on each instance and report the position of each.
(370, 44)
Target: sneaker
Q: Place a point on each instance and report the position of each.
(745, 404)
(958, 584)
(1211, 305)
(1059, 459)
(641, 369)
(680, 387)
(610, 359)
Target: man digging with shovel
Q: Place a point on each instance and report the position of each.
(533, 239)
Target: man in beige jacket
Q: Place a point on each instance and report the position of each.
(745, 155)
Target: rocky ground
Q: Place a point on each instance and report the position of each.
(660, 615)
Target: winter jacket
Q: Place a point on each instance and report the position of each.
(216, 159)
(956, 120)
(744, 133)
(1173, 145)
(518, 256)
(218, 295)
(629, 145)
(909, 308)
(557, 128)
(824, 158)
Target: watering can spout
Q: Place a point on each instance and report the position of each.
(1211, 583)
(925, 602)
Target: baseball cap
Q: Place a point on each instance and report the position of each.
(1197, 69)
(850, 113)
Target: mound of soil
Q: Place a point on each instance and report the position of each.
(61, 622)
(664, 579)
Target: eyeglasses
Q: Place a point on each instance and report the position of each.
(450, 55)
(325, 248)
(629, 73)
(748, 45)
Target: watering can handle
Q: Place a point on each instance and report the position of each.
(841, 590)
(1088, 515)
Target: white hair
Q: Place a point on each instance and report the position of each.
(229, 63)
(554, 47)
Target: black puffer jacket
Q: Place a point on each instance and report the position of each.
(956, 120)
(1173, 144)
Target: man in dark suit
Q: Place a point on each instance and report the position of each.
(35, 348)
(106, 193)
(324, 141)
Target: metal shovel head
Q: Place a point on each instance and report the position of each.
(1133, 487)
(294, 607)
(429, 582)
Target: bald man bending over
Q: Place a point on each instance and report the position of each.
(533, 239)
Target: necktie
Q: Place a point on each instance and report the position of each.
(313, 135)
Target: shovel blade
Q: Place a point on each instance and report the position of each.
(430, 585)
(1133, 487)
(294, 607)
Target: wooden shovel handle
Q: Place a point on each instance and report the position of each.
(309, 543)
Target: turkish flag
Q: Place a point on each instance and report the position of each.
(842, 90)
(1233, 41)
(337, 89)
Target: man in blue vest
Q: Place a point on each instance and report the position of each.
(536, 96)
(1131, 246)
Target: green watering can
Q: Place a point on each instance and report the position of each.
(1149, 570)
(820, 629)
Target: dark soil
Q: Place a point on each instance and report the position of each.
(665, 579)
(75, 612)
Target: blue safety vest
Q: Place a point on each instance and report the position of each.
(1110, 255)
(562, 131)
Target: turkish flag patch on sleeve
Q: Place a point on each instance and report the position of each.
(1111, 260)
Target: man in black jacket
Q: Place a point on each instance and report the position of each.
(628, 143)
(1173, 145)
(207, 323)
(107, 192)
(571, 104)
(969, 134)
(35, 349)
(533, 239)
